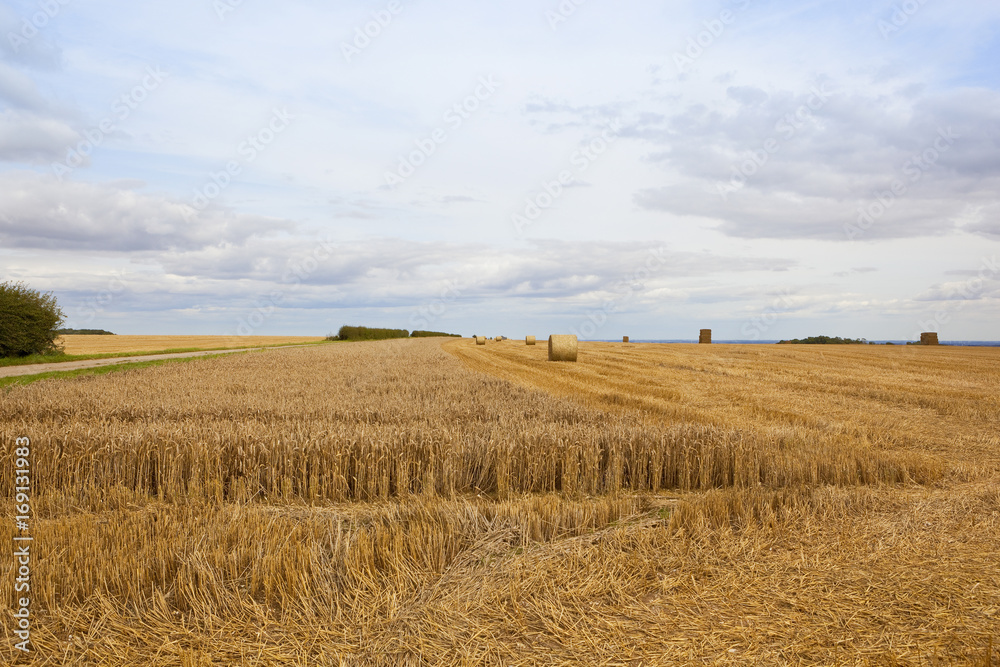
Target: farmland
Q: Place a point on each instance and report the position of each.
(415, 502)
(90, 344)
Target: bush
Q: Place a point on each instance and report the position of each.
(28, 321)
(432, 334)
(825, 340)
(368, 333)
(84, 332)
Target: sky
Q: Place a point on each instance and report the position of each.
(766, 169)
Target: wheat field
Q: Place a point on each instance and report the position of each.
(418, 502)
(90, 344)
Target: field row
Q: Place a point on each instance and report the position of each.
(374, 421)
(379, 503)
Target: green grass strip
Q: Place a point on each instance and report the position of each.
(8, 382)
(59, 358)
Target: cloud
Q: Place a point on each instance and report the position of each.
(39, 211)
(971, 290)
(29, 138)
(986, 221)
(31, 129)
(800, 165)
(550, 278)
(400, 271)
(18, 91)
(457, 199)
(554, 117)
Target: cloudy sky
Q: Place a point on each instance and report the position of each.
(767, 169)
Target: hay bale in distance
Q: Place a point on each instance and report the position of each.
(562, 347)
(624, 339)
(705, 337)
(529, 340)
(480, 340)
(929, 338)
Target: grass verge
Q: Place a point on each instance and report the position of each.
(61, 358)
(7, 382)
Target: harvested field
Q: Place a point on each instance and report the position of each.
(114, 344)
(943, 401)
(382, 503)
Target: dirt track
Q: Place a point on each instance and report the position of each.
(34, 369)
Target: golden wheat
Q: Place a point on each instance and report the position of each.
(89, 344)
(377, 503)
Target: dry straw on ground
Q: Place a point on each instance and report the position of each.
(562, 347)
(87, 344)
(529, 340)
(381, 504)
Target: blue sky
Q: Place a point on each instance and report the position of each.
(764, 169)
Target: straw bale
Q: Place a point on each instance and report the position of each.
(562, 347)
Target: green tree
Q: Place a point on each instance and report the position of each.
(28, 321)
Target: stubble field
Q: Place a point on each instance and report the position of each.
(413, 502)
(90, 344)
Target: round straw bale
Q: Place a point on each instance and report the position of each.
(480, 340)
(529, 340)
(562, 348)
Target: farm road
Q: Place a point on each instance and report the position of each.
(34, 369)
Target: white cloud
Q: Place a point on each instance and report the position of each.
(40, 211)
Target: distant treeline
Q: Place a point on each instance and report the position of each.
(825, 340)
(373, 333)
(368, 333)
(84, 332)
